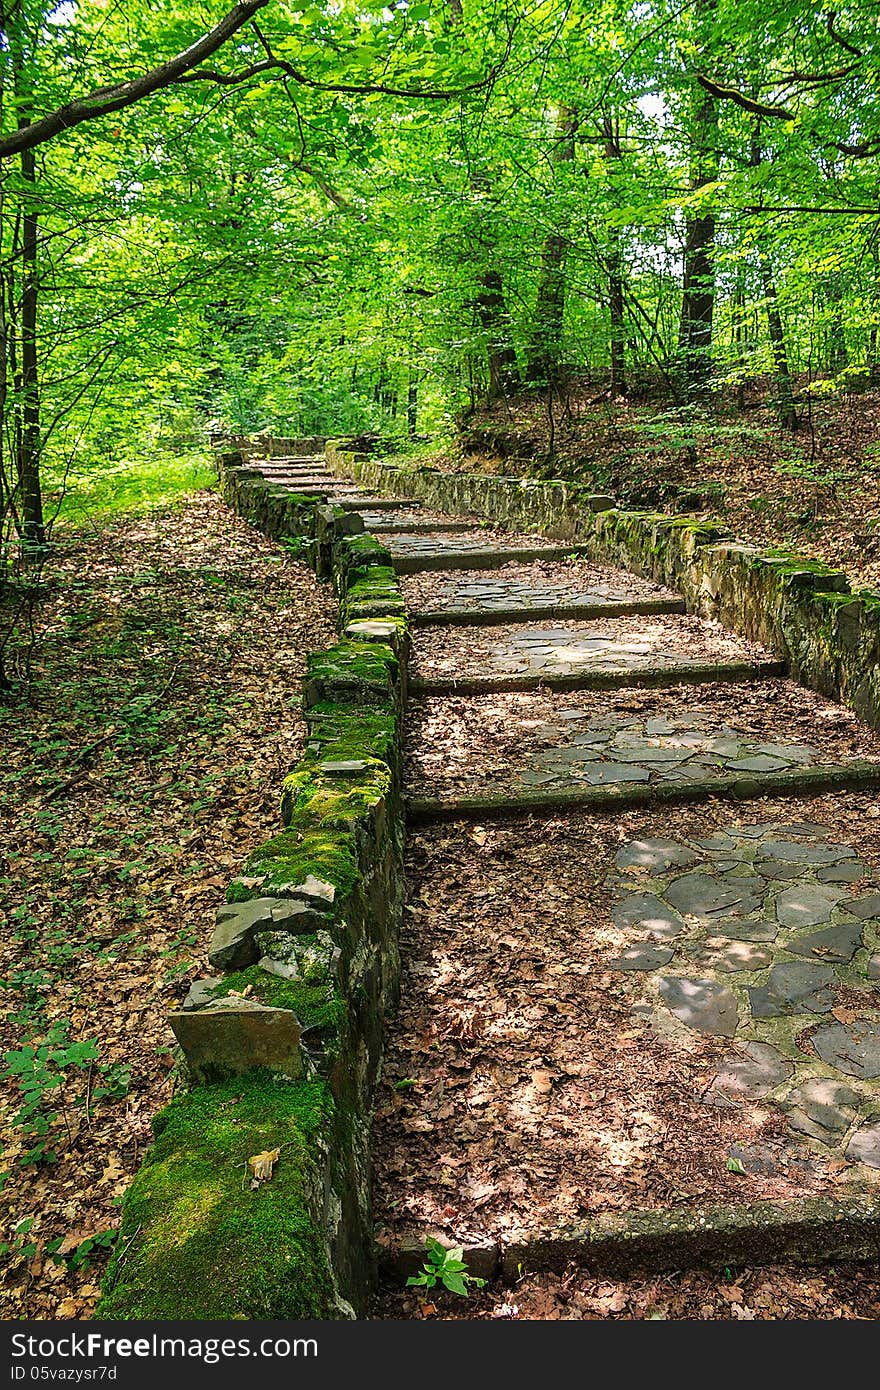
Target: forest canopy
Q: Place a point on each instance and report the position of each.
(337, 218)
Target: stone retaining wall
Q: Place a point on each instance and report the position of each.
(283, 1043)
(801, 609)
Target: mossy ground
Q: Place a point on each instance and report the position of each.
(197, 1242)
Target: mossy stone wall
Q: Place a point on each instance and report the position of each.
(198, 1240)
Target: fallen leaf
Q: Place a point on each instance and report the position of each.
(262, 1165)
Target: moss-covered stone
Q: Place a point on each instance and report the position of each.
(278, 865)
(316, 1004)
(339, 731)
(196, 1241)
(334, 802)
(365, 672)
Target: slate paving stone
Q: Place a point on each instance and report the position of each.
(843, 873)
(853, 1048)
(738, 930)
(703, 1004)
(822, 1108)
(776, 870)
(836, 944)
(864, 1147)
(865, 908)
(649, 914)
(604, 774)
(753, 1072)
(741, 956)
(806, 905)
(759, 762)
(658, 855)
(702, 895)
(794, 987)
(640, 957)
(793, 852)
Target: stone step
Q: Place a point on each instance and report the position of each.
(660, 1040)
(801, 782)
(410, 559)
(379, 527)
(632, 746)
(597, 608)
(491, 657)
(366, 501)
(642, 677)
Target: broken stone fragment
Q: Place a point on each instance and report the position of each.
(344, 767)
(314, 891)
(233, 946)
(371, 630)
(234, 1035)
(201, 992)
(313, 960)
(822, 1108)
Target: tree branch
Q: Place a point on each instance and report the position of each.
(758, 108)
(116, 98)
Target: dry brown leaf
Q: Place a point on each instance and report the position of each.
(262, 1165)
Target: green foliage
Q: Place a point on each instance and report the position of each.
(445, 1267)
(42, 1073)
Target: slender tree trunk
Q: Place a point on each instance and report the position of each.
(611, 130)
(785, 405)
(698, 297)
(501, 355)
(33, 528)
(412, 404)
(546, 337)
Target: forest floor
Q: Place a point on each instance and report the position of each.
(817, 490)
(143, 767)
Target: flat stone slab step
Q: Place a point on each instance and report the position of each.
(357, 504)
(386, 526)
(624, 791)
(654, 1043)
(564, 610)
(541, 590)
(613, 644)
(521, 751)
(673, 673)
(413, 553)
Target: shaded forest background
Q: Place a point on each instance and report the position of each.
(637, 242)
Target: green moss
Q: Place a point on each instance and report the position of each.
(196, 1241)
(328, 854)
(352, 731)
(333, 802)
(316, 1003)
(364, 671)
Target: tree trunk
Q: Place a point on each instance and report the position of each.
(503, 369)
(33, 530)
(611, 130)
(412, 405)
(785, 406)
(546, 337)
(698, 296)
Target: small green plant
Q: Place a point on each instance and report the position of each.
(43, 1073)
(445, 1267)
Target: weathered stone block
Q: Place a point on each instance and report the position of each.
(230, 1037)
(233, 946)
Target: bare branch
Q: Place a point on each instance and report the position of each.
(116, 98)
